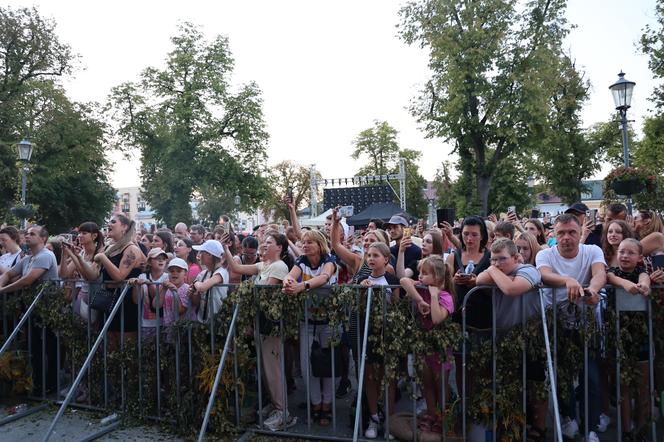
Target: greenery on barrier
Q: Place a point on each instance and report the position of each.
(395, 332)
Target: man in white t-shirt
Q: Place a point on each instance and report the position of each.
(573, 265)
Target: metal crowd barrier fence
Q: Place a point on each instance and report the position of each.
(153, 397)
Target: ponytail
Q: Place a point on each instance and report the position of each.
(127, 238)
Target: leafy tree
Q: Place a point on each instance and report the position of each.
(649, 151)
(379, 144)
(444, 186)
(565, 155)
(284, 174)
(493, 70)
(30, 53)
(197, 136)
(68, 178)
(69, 170)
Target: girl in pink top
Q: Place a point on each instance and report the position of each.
(435, 281)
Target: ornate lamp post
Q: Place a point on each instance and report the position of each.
(622, 97)
(24, 154)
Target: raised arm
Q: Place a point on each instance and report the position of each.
(294, 221)
(352, 260)
(236, 267)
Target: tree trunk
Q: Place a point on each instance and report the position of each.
(483, 188)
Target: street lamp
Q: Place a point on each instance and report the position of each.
(622, 97)
(24, 154)
(237, 208)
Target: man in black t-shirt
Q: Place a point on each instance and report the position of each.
(395, 228)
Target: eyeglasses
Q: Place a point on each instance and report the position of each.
(500, 259)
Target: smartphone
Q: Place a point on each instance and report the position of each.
(289, 194)
(593, 215)
(226, 227)
(446, 214)
(658, 261)
(345, 211)
(534, 214)
(511, 209)
(407, 232)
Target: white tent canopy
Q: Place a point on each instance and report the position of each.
(316, 222)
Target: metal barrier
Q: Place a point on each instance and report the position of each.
(153, 397)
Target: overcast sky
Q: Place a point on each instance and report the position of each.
(327, 69)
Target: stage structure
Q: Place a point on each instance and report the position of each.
(363, 190)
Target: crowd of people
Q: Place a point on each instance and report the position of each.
(180, 273)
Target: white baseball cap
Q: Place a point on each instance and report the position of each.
(178, 262)
(211, 246)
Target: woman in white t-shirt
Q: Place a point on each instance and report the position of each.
(9, 238)
(270, 271)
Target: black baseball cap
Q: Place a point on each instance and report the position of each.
(578, 208)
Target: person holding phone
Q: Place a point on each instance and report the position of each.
(395, 228)
(474, 240)
(591, 232)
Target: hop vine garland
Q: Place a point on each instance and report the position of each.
(394, 333)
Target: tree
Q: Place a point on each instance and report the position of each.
(68, 180)
(30, 53)
(565, 156)
(197, 137)
(69, 170)
(444, 187)
(379, 145)
(284, 174)
(493, 68)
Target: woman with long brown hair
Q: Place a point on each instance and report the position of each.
(121, 260)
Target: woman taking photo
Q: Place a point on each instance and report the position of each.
(121, 260)
(78, 263)
(271, 270)
(316, 267)
(649, 230)
(474, 240)
(432, 244)
(184, 250)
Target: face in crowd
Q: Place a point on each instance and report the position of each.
(568, 237)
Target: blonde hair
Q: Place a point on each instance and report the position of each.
(655, 224)
(127, 238)
(383, 248)
(380, 235)
(442, 274)
(317, 237)
(535, 246)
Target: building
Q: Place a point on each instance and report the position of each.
(129, 201)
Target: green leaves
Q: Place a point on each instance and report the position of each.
(197, 137)
(495, 78)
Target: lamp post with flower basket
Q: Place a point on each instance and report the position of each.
(622, 97)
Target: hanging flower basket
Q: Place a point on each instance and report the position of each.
(629, 186)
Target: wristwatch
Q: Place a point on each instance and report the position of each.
(307, 286)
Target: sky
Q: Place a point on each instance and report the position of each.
(327, 69)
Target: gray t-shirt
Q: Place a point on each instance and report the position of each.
(45, 259)
(508, 308)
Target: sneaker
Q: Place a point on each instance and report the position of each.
(267, 410)
(570, 428)
(279, 420)
(592, 437)
(372, 430)
(343, 389)
(604, 422)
